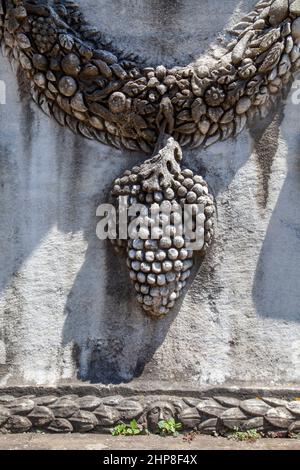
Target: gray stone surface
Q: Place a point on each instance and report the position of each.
(30, 441)
(152, 28)
(67, 311)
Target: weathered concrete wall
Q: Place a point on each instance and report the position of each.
(66, 309)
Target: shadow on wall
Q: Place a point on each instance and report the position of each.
(126, 339)
(276, 287)
(114, 339)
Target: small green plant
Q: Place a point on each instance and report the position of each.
(169, 427)
(250, 435)
(132, 429)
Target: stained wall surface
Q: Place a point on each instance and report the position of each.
(67, 311)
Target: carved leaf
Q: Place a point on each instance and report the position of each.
(59, 115)
(66, 41)
(188, 128)
(45, 104)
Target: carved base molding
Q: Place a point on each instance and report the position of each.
(275, 412)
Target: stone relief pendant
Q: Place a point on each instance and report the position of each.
(160, 254)
(101, 93)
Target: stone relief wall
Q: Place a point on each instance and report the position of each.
(160, 261)
(75, 78)
(224, 330)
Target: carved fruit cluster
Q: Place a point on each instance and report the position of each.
(44, 33)
(160, 257)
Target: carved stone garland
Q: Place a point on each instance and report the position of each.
(103, 94)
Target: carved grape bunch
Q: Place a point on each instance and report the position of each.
(104, 94)
(159, 254)
(44, 33)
